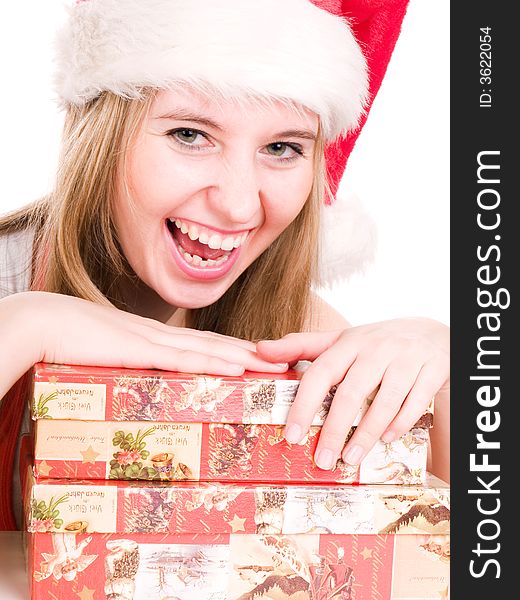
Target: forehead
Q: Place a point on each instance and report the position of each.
(232, 113)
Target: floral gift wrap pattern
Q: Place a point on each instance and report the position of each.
(105, 394)
(319, 566)
(204, 508)
(211, 451)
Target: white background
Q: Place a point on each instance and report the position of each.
(399, 167)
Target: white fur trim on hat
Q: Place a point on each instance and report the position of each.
(283, 49)
(348, 240)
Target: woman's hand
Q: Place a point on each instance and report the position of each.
(63, 329)
(406, 360)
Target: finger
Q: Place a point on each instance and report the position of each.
(138, 353)
(297, 346)
(360, 380)
(324, 372)
(187, 361)
(429, 381)
(246, 344)
(214, 346)
(169, 329)
(335, 430)
(397, 381)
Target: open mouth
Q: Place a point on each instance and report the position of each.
(203, 248)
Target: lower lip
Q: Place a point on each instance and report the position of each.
(201, 273)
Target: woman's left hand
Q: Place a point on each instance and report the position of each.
(406, 360)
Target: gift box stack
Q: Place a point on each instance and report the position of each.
(145, 485)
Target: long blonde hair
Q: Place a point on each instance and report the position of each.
(77, 250)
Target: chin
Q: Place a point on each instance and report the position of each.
(190, 299)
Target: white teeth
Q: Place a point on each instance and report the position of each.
(193, 232)
(197, 261)
(227, 244)
(214, 240)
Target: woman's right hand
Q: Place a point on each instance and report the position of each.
(63, 329)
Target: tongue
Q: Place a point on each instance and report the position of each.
(195, 247)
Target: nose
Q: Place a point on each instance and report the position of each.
(236, 192)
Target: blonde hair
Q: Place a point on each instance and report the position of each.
(77, 250)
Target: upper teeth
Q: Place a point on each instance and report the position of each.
(207, 236)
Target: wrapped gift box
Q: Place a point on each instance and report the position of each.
(59, 505)
(209, 451)
(317, 566)
(108, 394)
(94, 422)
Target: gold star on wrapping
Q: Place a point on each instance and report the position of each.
(89, 455)
(86, 594)
(44, 469)
(444, 594)
(237, 524)
(366, 553)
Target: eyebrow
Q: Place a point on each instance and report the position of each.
(184, 115)
(299, 133)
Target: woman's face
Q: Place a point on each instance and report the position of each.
(209, 186)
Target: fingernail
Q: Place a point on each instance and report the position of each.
(282, 365)
(324, 459)
(293, 433)
(388, 436)
(353, 455)
(236, 369)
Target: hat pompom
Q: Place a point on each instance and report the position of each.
(348, 240)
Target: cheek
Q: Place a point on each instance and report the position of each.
(158, 182)
(286, 197)
(152, 183)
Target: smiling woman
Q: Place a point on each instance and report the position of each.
(183, 232)
(226, 185)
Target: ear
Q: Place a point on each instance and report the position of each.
(347, 240)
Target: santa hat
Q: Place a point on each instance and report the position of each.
(327, 55)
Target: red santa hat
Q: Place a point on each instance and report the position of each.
(327, 55)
